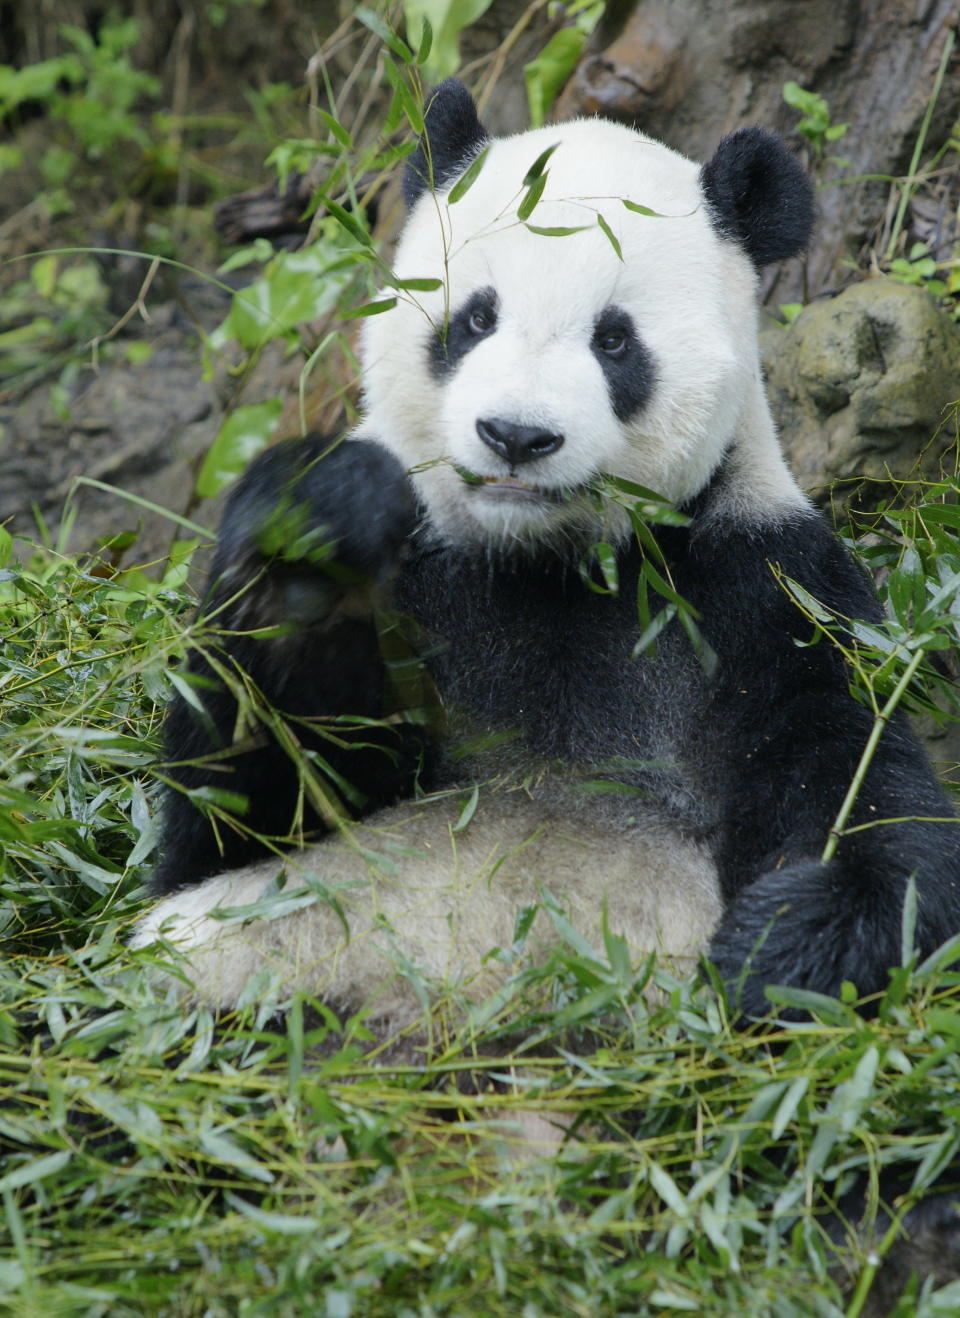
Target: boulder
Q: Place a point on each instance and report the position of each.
(861, 387)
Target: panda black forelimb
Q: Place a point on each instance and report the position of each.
(310, 534)
(784, 742)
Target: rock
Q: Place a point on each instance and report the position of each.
(859, 387)
(138, 428)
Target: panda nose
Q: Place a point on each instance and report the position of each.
(517, 443)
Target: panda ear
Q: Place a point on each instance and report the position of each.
(454, 134)
(759, 195)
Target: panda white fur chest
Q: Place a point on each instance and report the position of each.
(582, 339)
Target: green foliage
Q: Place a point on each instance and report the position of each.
(91, 92)
(814, 124)
(546, 75)
(82, 689)
(790, 311)
(920, 268)
(294, 289)
(914, 551)
(243, 434)
(155, 1162)
(440, 22)
(62, 300)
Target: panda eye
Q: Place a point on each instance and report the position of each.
(613, 343)
(480, 321)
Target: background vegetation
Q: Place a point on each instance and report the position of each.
(153, 1161)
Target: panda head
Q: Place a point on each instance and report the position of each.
(610, 329)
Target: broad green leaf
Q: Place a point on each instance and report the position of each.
(666, 1187)
(354, 227)
(545, 76)
(788, 1106)
(222, 1148)
(243, 434)
(296, 288)
(447, 19)
(283, 1224)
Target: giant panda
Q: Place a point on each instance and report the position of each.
(417, 613)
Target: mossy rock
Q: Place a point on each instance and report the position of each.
(863, 389)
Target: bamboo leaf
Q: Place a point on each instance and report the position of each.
(375, 24)
(531, 197)
(558, 231)
(467, 179)
(36, 1170)
(468, 810)
(337, 129)
(538, 169)
(371, 309)
(611, 237)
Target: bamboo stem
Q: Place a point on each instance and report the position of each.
(881, 719)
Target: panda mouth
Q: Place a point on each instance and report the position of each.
(510, 487)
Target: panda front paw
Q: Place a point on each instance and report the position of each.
(809, 926)
(313, 507)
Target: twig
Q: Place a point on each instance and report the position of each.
(138, 304)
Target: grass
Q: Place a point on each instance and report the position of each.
(154, 1161)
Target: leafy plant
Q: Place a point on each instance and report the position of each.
(444, 20)
(918, 268)
(61, 303)
(546, 75)
(82, 689)
(814, 124)
(91, 92)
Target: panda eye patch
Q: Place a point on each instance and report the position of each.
(625, 360)
(471, 322)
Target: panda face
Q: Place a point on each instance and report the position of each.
(626, 346)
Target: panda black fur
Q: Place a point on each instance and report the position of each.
(538, 364)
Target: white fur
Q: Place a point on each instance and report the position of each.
(691, 295)
(413, 891)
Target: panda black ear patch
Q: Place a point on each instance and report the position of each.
(454, 134)
(759, 195)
